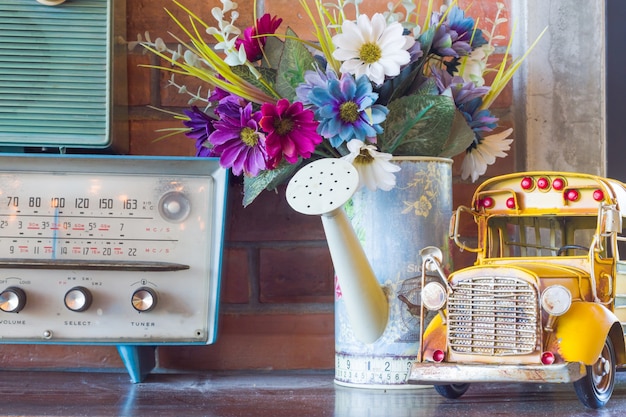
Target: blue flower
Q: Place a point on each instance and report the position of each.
(312, 79)
(345, 109)
(455, 36)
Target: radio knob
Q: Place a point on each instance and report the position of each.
(144, 299)
(78, 299)
(174, 206)
(12, 300)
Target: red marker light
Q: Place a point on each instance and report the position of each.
(527, 183)
(547, 358)
(598, 195)
(438, 355)
(558, 184)
(488, 202)
(572, 195)
(543, 183)
(510, 202)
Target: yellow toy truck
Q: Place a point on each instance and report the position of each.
(545, 300)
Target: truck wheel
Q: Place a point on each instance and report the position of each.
(451, 391)
(595, 388)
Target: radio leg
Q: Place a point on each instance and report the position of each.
(139, 360)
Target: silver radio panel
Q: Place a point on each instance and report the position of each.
(119, 250)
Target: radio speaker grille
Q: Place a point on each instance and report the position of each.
(56, 73)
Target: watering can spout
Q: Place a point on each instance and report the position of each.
(322, 188)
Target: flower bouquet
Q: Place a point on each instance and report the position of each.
(396, 83)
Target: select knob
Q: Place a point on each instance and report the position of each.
(78, 299)
(144, 299)
(12, 300)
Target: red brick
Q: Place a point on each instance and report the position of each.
(463, 197)
(138, 78)
(462, 259)
(235, 276)
(260, 341)
(150, 15)
(144, 139)
(171, 95)
(487, 9)
(269, 218)
(296, 275)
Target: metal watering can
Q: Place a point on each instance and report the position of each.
(322, 188)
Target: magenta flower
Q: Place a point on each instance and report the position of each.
(237, 138)
(253, 45)
(291, 131)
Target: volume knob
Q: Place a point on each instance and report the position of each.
(144, 299)
(12, 300)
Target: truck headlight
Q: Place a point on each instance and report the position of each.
(434, 296)
(556, 300)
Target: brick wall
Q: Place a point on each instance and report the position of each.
(277, 288)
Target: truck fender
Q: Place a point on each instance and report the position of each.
(435, 336)
(582, 331)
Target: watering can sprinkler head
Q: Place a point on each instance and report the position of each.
(322, 188)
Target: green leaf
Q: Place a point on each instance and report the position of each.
(272, 51)
(267, 180)
(294, 61)
(418, 125)
(268, 74)
(461, 136)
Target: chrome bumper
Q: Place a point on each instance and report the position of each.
(450, 373)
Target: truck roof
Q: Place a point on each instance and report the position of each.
(541, 192)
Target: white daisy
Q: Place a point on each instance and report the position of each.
(488, 149)
(375, 170)
(372, 48)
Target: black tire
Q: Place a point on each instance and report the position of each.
(595, 389)
(452, 391)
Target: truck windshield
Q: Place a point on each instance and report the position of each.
(534, 236)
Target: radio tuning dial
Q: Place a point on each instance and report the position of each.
(78, 299)
(12, 300)
(174, 206)
(144, 299)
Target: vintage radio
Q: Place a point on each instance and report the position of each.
(115, 250)
(112, 250)
(63, 74)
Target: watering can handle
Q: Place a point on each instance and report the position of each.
(322, 188)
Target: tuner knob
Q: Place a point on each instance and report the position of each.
(174, 206)
(144, 299)
(78, 299)
(12, 300)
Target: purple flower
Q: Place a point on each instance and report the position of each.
(253, 41)
(462, 90)
(237, 138)
(200, 127)
(455, 36)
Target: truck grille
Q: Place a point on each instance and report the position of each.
(493, 316)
